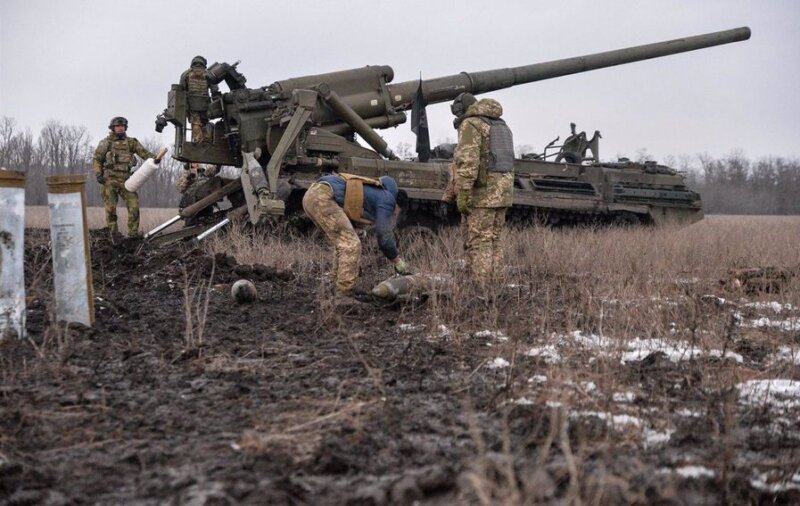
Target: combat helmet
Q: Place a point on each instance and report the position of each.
(199, 61)
(117, 120)
(461, 103)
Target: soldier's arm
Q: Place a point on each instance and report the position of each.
(99, 157)
(213, 88)
(182, 80)
(384, 228)
(142, 151)
(467, 156)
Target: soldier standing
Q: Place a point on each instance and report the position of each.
(334, 202)
(484, 181)
(112, 163)
(197, 84)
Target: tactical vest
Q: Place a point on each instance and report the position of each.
(197, 89)
(354, 196)
(119, 158)
(501, 146)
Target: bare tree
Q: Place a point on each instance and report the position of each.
(6, 136)
(403, 151)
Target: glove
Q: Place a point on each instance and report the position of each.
(401, 267)
(463, 202)
(100, 179)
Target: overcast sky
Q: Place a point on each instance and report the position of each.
(82, 62)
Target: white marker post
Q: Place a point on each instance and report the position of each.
(72, 260)
(12, 254)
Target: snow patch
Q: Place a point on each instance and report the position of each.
(786, 354)
(632, 350)
(493, 334)
(790, 324)
(695, 472)
(623, 396)
(522, 401)
(615, 420)
(654, 438)
(762, 482)
(776, 307)
(498, 363)
(410, 327)
(548, 353)
(778, 393)
(676, 351)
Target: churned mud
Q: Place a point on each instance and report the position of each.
(178, 395)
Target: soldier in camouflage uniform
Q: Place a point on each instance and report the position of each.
(197, 85)
(484, 181)
(334, 203)
(112, 163)
(193, 172)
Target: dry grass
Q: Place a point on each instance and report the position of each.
(281, 248)
(38, 217)
(610, 263)
(565, 280)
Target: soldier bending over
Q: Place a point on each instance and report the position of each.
(334, 202)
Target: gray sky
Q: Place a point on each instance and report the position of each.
(82, 62)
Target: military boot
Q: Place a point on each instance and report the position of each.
(346, 301)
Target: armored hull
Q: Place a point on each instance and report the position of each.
(555, 193)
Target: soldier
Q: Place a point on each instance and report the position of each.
(193, 172)
(197, 85)
(484, 181)
(334, 202)
(112, 163)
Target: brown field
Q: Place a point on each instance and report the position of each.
(38, 217)
(608, 366)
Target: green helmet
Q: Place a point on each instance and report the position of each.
(117, 120)
(461, 103)
(198, 61)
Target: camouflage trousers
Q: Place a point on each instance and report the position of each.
(113, 189)
(484, 226)
(198, 120)
(320, 206)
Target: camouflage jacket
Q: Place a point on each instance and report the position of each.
(114, 156)
(489, 189)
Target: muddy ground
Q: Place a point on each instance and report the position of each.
(286, 402)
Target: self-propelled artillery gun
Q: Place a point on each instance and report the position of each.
(283, 136)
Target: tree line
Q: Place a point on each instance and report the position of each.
(733, 184)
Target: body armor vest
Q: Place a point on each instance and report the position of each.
(501, 146)
(354, 196)
(197, 89)
(119, 157)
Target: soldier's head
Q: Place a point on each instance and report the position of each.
(461, 104)
(118, 125)
(199, 61)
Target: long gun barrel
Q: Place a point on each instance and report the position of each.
(362, 99)
(443, 89)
